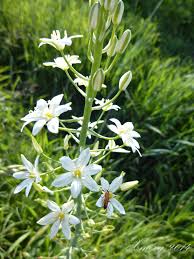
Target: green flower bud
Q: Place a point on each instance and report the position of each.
(66, 142)
(109, 5)
(128, 185)
(112, 49)
(36, 146)
(124, 41)
(118, 13)
(125, 80)
(98, 79)
(94, 16)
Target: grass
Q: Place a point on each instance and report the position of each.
(159, 219)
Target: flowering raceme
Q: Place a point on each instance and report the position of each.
(78, 177)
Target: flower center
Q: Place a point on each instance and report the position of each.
(77, 173)
(32, 175)
(110, 195)
(48, 115)
(61, 215)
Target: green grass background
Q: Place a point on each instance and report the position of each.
(159, 219)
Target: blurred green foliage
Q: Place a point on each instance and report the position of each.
(159, 222)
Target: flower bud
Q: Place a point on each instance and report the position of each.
(98, 79)
(124, 41)
(36, 146)
(125, 80)
(118, 13)
(112, 49)
(109, 5)
(94, 16)
(128, 185)
(66, 142)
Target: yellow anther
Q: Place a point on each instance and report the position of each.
(77, 173)
(61, 215)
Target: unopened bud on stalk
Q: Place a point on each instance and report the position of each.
(66, 142)
(98, 79)
(109, 5)
(112, 49)
(94, 16)
(125, 80)
(124, 41)
(128, 185)
(118, 13)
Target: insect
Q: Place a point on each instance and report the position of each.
(106, 199)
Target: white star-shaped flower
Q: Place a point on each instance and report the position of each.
(79, 173)
(107, 200)
(46, 112)
(29, 176)
(61, 63)
(59, 217)
(109, 106)
(57, 42)
(127, 134)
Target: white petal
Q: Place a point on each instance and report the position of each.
(62, 108)
(48, 64)
(45, 189)
(118, 206)
(128, 125)
(134, 134)
(38, 126)
(63, 180)
(121, 150)
(66, 228)
(76, 187)
(22, 185)
(21, 175)
(83, 158)
(90, 184)
(73, 220)
(104, 183)
(53, 125)
(41, 104)
(110, 210)
(28, 165)
(113, 128)
(24, 125)
(67, 163)
(92, 169)
(48, 219)
(116, 183)
(68, 206)
(36, 163)
(117, 122)
(55, 228)
(99, 202)
(28, 187)
(53, 206)
(56, 100)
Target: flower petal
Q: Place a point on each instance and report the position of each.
(62, 108)
(113, 128)
(76, 187)
(99, 202)
(73, 220)
(48, 219)
(118, 206)
(28, 165)
(117, 122)
(55, 228)
(83, 158)
(92, 169)
(22, 185)
(53, 206)
(67, 163)
(110, 210)
(21, 175)
(128, 125)
(53, 125)
(116, 183)
(28, 187)
(105, 185)
(89, 182)
(38, 126)
(41, 104)
(63, 180)
(68, 206)
(55, 101)
(66, 228)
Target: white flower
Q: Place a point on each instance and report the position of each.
(127, 134)
(57, 42)
(46, 113)
(61, 63)
(79, 173)
(29, 176)
(107, 200)
(59, 217)
(109, 106)
(115, 148)
(85, 82)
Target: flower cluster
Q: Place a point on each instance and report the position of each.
(81, 175)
